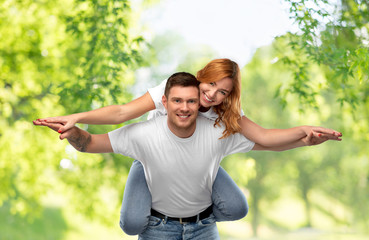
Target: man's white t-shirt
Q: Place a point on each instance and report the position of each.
(179, 171)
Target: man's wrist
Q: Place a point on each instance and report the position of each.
(79, 139)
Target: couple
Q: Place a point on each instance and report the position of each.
(181, 154)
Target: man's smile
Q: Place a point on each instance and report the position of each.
(184, 116)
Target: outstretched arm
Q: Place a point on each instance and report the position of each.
(113, 114)
(82, 140)
(313, 138)
(282, 137)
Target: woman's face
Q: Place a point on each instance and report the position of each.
(212, 94)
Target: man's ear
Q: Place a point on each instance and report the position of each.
(164, 101)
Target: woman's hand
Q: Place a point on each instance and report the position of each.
(65, 122)
(113, 114)
(327, 132)
(319, 135)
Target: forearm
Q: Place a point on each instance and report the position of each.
(106, 115)
(79, 139)
(280, 148)
(271, 137)
(282, 137)
(289, 146)
(116, 114)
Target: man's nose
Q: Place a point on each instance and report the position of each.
(184, 106)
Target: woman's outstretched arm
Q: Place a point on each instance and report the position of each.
(113, 114)
(282, 137)
(311, 139)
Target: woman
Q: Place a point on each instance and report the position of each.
(220, 101)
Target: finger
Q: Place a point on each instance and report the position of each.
(36, 122)
(54, 126)
(54, 120)
(329, 136)
(64, 135)
(66, 127)
(327, 131)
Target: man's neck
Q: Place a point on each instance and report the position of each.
(182, 132)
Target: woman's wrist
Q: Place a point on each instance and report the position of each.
(305, 130)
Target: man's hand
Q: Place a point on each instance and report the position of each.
(319, 135)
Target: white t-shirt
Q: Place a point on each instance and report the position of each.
(179, 171)
(157, 93)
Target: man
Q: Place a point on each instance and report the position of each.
(181, 154)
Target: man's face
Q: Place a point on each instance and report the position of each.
(182, 108)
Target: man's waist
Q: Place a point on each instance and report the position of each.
(200, 216)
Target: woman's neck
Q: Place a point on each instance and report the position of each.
(204, 109)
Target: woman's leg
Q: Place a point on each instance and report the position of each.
(229, 203)
(136, 205)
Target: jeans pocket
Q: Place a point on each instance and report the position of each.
(207, 221)
(154, 221)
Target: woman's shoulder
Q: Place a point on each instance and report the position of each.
(207, 125)
(210, 114)
(157, 92)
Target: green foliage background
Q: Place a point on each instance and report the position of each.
(60, 57)
(56, 58)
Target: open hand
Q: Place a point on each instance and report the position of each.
(318, 137)
(66, 122)
(54, 126)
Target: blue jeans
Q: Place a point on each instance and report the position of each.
(229, 203)
(159, 229)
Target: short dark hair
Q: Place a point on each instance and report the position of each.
(182, 79)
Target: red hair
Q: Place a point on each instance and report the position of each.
(229, 110)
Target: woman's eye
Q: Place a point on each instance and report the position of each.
(212, 84)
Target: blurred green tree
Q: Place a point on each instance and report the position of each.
(56, 58)
(333, 34)
(313, 172)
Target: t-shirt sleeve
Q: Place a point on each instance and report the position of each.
(237, 143)
(124, 140)
(157, 93)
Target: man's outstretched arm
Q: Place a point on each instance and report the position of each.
(83, 141)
